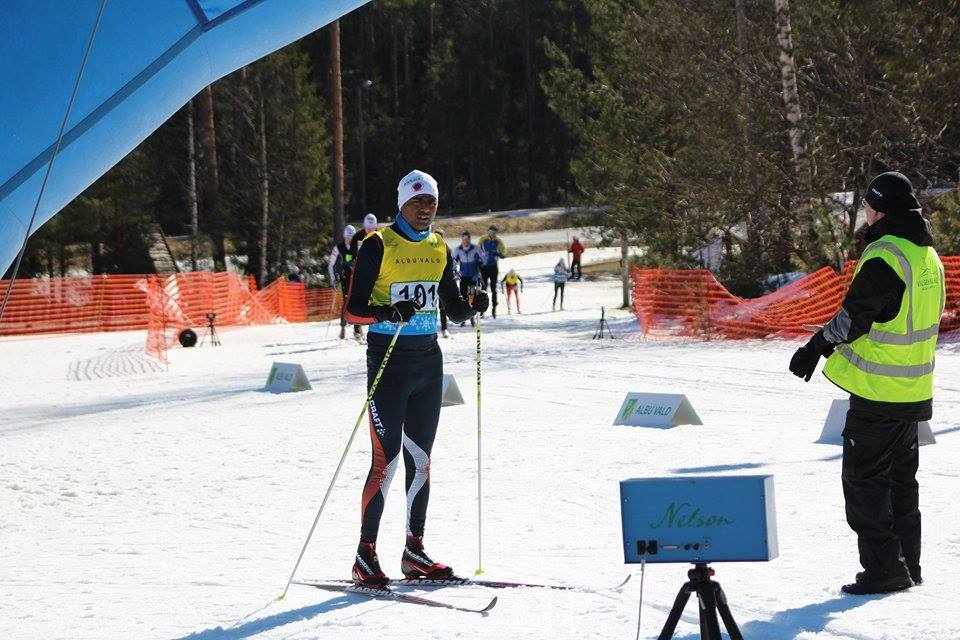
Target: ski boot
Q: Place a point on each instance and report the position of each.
(366, 567)
(445, 333)
(343, 333)
(417, 564)
(357, 333)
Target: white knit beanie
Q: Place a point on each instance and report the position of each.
(416, 183)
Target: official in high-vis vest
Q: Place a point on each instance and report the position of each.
(880, 348)
(400, 274)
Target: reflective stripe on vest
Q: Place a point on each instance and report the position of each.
(890, 370)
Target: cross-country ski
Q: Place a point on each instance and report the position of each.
(390, 594)
(472, 582)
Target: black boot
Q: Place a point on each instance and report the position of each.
(868, 583)
(366, 567)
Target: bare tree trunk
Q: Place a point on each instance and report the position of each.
(471, 145)
(530, 95)
(281, 261)
(211, 180)
(625, 269)
(407, 73)
(336, 107)
(394, 71)
(192, 188)
(758, 226)
(808, 249)
(264, 189)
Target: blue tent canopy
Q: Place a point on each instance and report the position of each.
(148, 58)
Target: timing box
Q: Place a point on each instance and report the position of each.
(699, 519)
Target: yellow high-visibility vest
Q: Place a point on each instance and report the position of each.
(894, 361)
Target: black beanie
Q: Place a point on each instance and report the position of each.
(892, 194)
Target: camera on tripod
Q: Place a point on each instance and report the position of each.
(212, 331)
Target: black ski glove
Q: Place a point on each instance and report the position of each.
(481, 302)
(804, 361)
(400, 311)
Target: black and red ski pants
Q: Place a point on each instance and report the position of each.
(404, 413)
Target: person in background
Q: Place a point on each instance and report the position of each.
(880, 349)
(294, 275)
(339, 267)
(560, 275)
(399, 275)
(491, 250)
(467, 257)
(576, 250)
(509, 284)
(369, 226)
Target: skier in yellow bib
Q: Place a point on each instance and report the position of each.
(510, 283)
(400, 274)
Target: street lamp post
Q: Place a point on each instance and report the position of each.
(366, 84)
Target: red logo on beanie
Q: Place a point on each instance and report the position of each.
(417, 186)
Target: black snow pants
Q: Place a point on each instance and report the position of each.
(488, 276)
(880, 461)
(404, 413)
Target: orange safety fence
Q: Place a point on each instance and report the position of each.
(323, 303)
(74, 305)
(692, 303)
(186, 299)
(164, 305)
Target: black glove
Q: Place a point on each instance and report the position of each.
(804, 362)
(400, 311)
(481, 301)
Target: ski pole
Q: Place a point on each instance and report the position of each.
(479, 483)
(333, 480)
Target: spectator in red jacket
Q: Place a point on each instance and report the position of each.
(577, 249)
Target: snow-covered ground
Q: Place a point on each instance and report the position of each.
(137, 503)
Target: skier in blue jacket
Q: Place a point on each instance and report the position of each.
(491, 250)
(467, 256)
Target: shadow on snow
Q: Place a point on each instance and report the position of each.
(268, 623)
(787, 625)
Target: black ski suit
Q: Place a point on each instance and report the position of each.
(405, 409)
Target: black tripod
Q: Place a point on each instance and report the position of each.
(598, 335)
(211, 331)
(712, 600)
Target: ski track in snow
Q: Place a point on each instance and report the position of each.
(143, 503)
